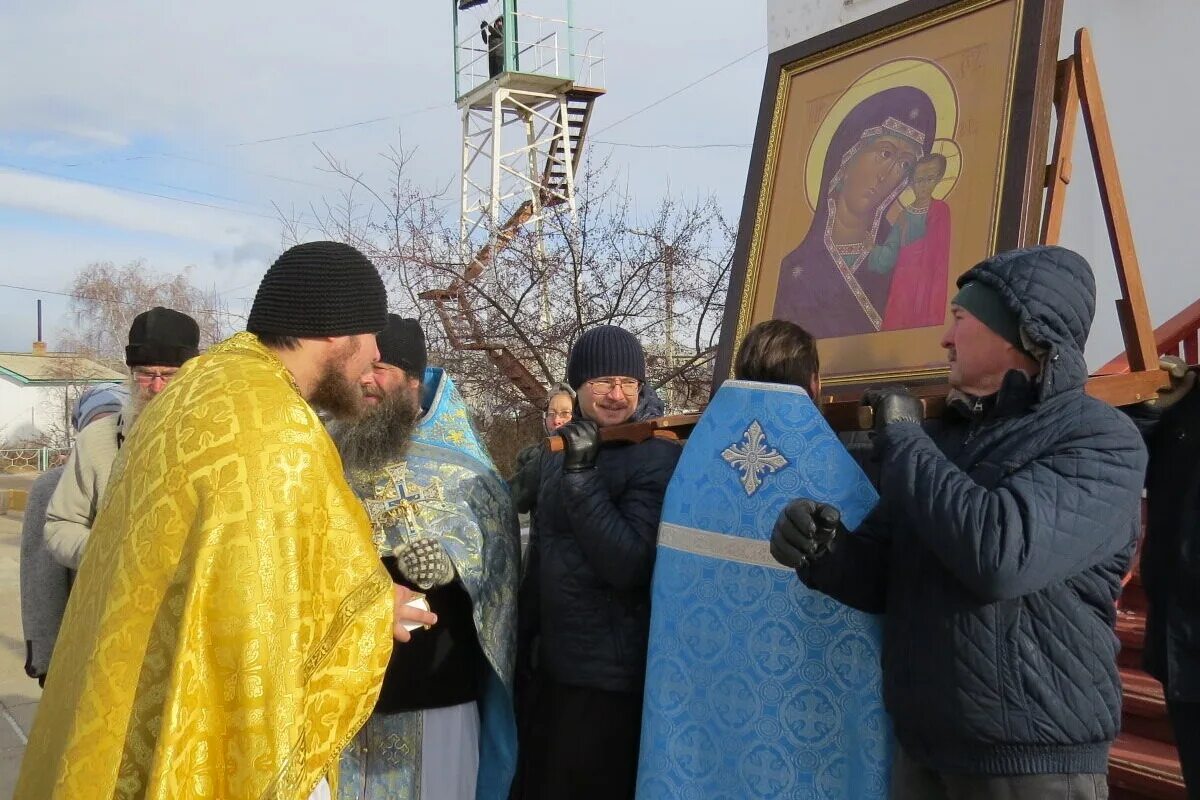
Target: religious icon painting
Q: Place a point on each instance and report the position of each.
(891, 156)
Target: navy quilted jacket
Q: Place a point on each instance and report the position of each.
(592, 556)
(998, 548)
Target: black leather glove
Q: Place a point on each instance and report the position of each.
(805, 531)
(582, 440)
(893, 404)
(526, 455)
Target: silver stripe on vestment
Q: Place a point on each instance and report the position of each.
(754, 552)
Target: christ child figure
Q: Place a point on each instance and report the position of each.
(917, 251)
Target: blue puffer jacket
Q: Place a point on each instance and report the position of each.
(998, 548)
(592, 556)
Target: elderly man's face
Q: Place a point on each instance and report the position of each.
(149, 380)
(979, 357)
(382, 380)
(392, 400)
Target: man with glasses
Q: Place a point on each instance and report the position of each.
(160, 341)
(588, 578)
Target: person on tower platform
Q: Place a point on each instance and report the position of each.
(493, 37)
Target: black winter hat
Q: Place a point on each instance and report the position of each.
(402, 344)
(604, 351)
(162, 337)
(320, 289)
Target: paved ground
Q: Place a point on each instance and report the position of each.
(18, 480)
(18, 694)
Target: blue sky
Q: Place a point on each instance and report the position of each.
(132, 130)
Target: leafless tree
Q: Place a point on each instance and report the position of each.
(105, 298)
(660, 273)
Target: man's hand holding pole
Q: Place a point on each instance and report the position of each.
(805, 531)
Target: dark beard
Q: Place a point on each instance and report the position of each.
(380, 436)
(337, 396)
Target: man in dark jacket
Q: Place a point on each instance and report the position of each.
(589, 571)
(1171, 559)
(998, 547)
(493, 37)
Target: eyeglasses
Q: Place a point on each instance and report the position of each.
(147, 378)
(559, 414)
(602, 386)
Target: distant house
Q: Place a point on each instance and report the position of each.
(37, 391)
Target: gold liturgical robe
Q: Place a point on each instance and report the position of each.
(231, 621)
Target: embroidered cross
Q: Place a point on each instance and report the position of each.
(397, 501)
(753, 457)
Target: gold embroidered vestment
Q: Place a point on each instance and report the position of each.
(231, 621)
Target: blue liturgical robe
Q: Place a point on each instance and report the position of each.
(756, 686)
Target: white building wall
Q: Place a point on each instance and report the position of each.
(18, 409)
(1144, 54)
(24, 409)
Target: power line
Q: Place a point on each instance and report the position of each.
(682, 89)
(286, 136)
(232, 145)
(115, 187)
(219, 165)
(204, 194)
(674, 146)
(359, 124)
(267, 140)
(113, 301)
(224, 292)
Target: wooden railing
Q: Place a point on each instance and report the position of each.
(1178, 336)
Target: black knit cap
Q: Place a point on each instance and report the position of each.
(162, 337)
(319, 289)
(605, 351)
(402, 344)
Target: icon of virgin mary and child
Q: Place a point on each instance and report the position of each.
(869, 263)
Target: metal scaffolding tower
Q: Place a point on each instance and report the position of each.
(522, 83)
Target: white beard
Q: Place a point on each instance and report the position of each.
(132, 409)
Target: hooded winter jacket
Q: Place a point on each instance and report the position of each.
(998, 548)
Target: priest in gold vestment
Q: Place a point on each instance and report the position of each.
(231, 621)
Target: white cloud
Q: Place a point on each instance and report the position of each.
(81, 201)
(94, 136)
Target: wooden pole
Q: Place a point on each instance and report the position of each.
(1058, 174)
(1132, 309)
